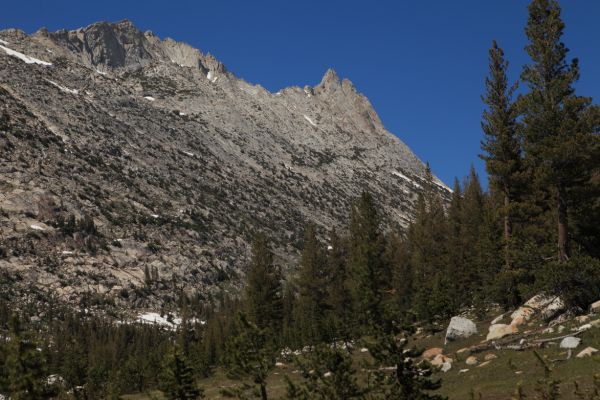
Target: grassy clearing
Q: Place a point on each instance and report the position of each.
(494, 381)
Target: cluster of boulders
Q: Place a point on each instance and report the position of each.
(541, 305)
(436, 357)
(550, 310)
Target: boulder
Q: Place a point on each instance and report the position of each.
(483, 364)
(595, 307)
(584, 327)
(471, 360)
(447, 366)
(490, 356)
(431, 353)
(582, 318)
(460, 328)
(442, 362)
(463, 350)
(539, 301)
(556, 305)
(587, 352)
(570, 342)
(562, 318)
(498, 331)
(518, 321)
(441, 359)
(521, 315)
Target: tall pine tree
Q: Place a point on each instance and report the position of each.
(370, 274)
(501, 143)
(428, 239)
(558, 124)
(340, 315)
(177, 379)
(264, 293)
(311, 303)
(250, 357)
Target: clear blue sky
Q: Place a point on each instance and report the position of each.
(421, 63)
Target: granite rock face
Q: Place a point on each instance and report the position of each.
(177, 161)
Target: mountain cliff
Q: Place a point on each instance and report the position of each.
(131, 166)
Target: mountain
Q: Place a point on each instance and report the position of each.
(131, 166)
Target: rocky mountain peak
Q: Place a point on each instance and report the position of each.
(330, 79)
(177, 161)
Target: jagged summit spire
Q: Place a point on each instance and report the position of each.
(330, 77)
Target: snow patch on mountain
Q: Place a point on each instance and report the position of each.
(23, 57)
(170, 322)
(63, 88)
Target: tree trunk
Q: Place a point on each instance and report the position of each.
(563, 226)
(507, 228)
(263, 391)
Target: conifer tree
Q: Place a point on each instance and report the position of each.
(455, 245)
(250, 357)
(397, 254)
(177, 380)
(327, 374)
(289, 325)
(311, 304)
(427, 237)
(399, 375)
(370, 274)
(558, 124)
(25, 366)
(339, 296)
(501, 143)
(263, 288)
(473, 218)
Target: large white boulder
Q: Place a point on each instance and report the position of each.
(595, 306)
(553, 308)
(460, 328)
(570, 342)
(498, 331)
(547, 305)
